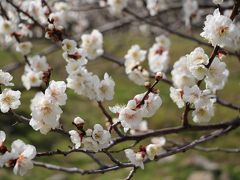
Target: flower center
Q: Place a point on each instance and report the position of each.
(222, 30)
(8, 99)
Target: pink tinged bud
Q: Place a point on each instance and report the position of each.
(158, 76)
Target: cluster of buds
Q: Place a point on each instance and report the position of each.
(54, 32)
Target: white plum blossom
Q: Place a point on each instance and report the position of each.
(116, 6)
(134, 56)
(24, 47)
(203, 111)
(135, 158)
(74, 67)
(191, 94)
(138, 75)
(217, 75)
(151, 103)
(22, 154)
(158, 57)
(130, 117)
(76, 55)
(177, 96)
(106, 88)
(75, 138)
(92, 140)
(69, 45)
(219, 30)
(45, 113)
(5, 78)
(154, 6)
(197, 60)
(93, 44)
(89, 85)
(83, 84)
(163, 41)
(35, 9)
(58, 19)
(159, 140)
(33, 72)
(181, 75)
(154, 149)
(9, 99)
(31, 79)
(159, 62)
(103, 137)
(38, 63)
(6, 27)
(56, 92)
(143, 127)
(89, 144)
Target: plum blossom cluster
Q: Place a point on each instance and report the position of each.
(34, 71)
(11, 31)
(141, 106)
(222, 31)
(158, 56)
(9, 99)
(150, 151)
(187, 72)
(133, 59)
(59, 19)
(45, 107)
(193, 67)
(158, 60)
(80, 80)
(34, 8)
(94, 139)
(19, 158)
(92, 44)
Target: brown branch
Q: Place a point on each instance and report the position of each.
(104, 111)
(131, 174)
(185, 115)
(170, 152)
(217, 149)
(174, 130)
(117, 162)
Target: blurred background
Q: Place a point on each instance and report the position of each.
(84, 17)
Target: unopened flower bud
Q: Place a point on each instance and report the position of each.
(147, 85)
(158, 76)
(78, 121)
